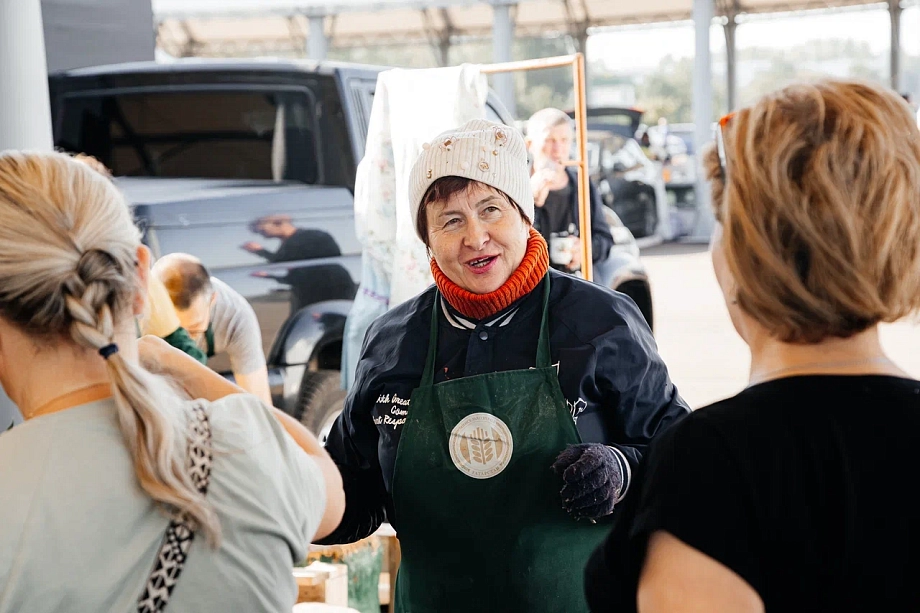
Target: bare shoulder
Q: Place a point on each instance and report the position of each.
(677, 578)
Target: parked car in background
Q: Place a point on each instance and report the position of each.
(628, 181)
(679, 173)
(679, 167)
(250, 166)
(630, 277)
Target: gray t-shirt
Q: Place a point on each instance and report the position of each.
(236, 330)
(78, 534)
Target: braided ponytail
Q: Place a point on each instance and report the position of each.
(67, 272)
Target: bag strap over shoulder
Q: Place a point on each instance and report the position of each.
(180, 533)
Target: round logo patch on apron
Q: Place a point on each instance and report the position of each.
(481, 446)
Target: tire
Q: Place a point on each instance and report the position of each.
(320, 401)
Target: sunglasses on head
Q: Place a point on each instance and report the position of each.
(720, 141)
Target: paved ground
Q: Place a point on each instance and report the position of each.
(707, 359)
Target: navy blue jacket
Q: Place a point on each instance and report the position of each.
(610, 373)
(601, 238)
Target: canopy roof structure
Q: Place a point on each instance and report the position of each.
(286, 27)
(210, 27)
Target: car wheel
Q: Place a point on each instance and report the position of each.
(320, 401)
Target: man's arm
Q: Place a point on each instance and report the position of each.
(236, 332)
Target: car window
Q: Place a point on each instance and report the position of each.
(201, 134)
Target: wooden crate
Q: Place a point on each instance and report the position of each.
(364, 559)
(322, 582)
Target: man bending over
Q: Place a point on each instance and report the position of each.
(217, 318)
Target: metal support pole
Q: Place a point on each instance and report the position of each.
(730, 28)
(581, 38)
(702, 113)
(445, 37)
(444, 52)
(25, 109)
(502, 39)
(583, 48)
(317, 45)
(894, 12)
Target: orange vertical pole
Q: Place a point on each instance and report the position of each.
(584, 195)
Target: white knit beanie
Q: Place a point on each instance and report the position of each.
(488, 152)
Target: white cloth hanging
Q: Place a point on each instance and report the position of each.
(410, 108)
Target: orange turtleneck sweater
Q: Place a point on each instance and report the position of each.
(521, 282)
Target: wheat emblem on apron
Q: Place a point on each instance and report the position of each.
(481, 446)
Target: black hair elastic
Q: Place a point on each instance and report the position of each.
(107, 351)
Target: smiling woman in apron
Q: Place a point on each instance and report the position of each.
(496, 418)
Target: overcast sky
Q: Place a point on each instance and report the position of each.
(644, 46)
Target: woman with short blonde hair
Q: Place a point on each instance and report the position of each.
(113, 473)
(794, 494)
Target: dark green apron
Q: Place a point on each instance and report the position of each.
(481, 524)
(209, 341)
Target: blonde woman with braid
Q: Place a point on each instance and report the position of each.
(110, 458)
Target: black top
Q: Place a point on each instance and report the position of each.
(559, 213)
(803, 486)
(601, 238)
(615, 383)
(303, 244)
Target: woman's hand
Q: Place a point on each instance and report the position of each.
(540, 183)
(575, 263)
(199, 381)
(156, 355)
(593, 477)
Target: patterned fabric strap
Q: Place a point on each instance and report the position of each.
(181, 531)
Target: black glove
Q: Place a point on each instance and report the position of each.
(593, 477)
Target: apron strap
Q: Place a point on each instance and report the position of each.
(209, 340)
(428, 375)
(544, 358)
